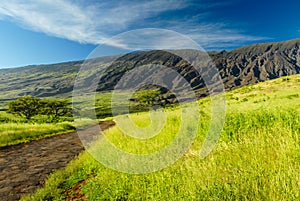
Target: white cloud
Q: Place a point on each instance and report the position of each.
(53, 17)
(78, 21)
(95, 22)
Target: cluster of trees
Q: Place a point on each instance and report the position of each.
(149, 97)
(28, 107)
(146, 98)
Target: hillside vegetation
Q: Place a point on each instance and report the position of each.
(256, 158)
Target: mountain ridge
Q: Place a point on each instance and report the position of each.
(241, 66)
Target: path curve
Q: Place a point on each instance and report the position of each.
(24, 167)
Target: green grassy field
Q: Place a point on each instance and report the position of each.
(12, 133)
(15, 130)
(257, 156)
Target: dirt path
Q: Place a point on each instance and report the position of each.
(24, 167)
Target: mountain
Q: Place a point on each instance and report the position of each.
(260, 62)
(239, 67)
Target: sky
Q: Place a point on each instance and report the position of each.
(51, 31)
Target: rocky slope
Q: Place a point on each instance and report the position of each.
(258, 62)
(239, 67)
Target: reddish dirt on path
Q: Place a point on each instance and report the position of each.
(24, 167)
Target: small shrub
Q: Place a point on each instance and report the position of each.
(292, 96)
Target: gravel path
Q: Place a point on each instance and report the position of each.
(24, 167)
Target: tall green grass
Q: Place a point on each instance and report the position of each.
(15, 133)
(15, 129)
(257, 156)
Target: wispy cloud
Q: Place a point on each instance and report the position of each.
(53, 17)
(152, 38)
(95, 22)
(212, 35)
(216, 36)
(87, 23)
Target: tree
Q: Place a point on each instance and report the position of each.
(26, 106)
(55, 109)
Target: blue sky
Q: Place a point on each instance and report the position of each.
(50, 31)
